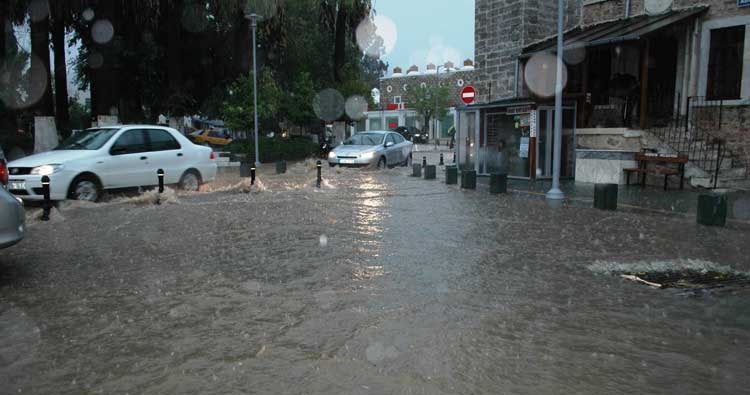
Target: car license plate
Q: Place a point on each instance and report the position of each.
(17, 185)
(347, 161)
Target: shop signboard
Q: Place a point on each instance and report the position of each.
(743, 3)
(533, 124)
(523, 150)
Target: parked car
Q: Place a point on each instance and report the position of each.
(113, 157)
(12, 215)
(376, 148)
(412, 134)
(210, 137)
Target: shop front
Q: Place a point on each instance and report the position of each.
(514, 138)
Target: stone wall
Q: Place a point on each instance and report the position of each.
(606, 10)
(451, 79)
(502, 29)
(735, 130)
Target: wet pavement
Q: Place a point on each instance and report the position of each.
(378, 283)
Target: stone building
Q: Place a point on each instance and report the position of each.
(672, 76)
(394, 105)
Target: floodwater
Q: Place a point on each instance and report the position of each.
(377, 283)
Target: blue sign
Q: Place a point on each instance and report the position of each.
(743, 3)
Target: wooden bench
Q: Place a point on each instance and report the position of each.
(662, 162)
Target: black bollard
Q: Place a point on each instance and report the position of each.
(160, 175)
(281, 167)
(498, 183)
(605, 196)
(468, 179)
(252, 175)
(47, 203)
(712, 209)
(320, 176)
(430, 172)
(416, 170)
(424, 162)
(451, 175)
(454, 157)
(441, 160)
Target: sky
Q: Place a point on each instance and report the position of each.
(429, 31)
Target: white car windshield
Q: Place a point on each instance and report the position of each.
(365, 139)
(91, 139)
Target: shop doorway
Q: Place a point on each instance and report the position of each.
(545, 143)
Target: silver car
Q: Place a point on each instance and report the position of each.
(12, 215)
(373, 148)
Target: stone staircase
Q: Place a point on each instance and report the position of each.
(705, 159)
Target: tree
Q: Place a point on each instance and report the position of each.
(341, 17)
(431, 102)
(237, 108)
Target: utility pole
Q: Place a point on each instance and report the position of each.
(254, 23)
(555, 193)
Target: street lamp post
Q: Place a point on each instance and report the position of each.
(254, 24)
(555, 193)
(434, 120)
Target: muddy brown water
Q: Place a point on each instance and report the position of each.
(378, 283)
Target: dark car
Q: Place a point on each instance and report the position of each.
(412, 134)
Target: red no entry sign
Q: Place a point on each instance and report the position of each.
(468, 94)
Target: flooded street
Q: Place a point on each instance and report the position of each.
(378, 283)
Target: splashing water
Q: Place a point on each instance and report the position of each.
(150, 197)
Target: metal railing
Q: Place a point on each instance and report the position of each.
(693, 135)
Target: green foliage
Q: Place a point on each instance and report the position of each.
(80, 114)
(273, 149)
(430, 102)
(297, 103)
(237, 107)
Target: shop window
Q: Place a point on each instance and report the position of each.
(725, 63)
(396, 99)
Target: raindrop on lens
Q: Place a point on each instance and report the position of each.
(741, 209)
(88, 15)
(376, 36)
(540, 77)
(328, 105)
(574, 55)
(96, 60)
(323, 240)
(23, 85)
(38, 10)
(102, 31)
(355, 107)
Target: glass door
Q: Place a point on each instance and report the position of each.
(466, 140)
(545, 143)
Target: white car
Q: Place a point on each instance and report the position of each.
(113, 157)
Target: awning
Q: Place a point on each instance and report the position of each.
(621, 30)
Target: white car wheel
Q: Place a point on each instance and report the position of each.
(190, 182)
(85, 190)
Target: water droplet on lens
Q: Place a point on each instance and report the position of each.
(88, 14)
(96, 60)
(356, 106)
(102, 31)
(376, 36)
(323, 240)
(328, 105)
(540, 74)
(38, 10)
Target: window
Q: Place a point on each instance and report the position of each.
(390, 139)
(398, 138)
(130, 142)
(396, 99)
(725, 63)
(161, 140)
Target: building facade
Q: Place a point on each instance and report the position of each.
(394, 104)
(634, 73)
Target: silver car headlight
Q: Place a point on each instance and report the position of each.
(368, 155)
(331, 155)
(46, 170)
